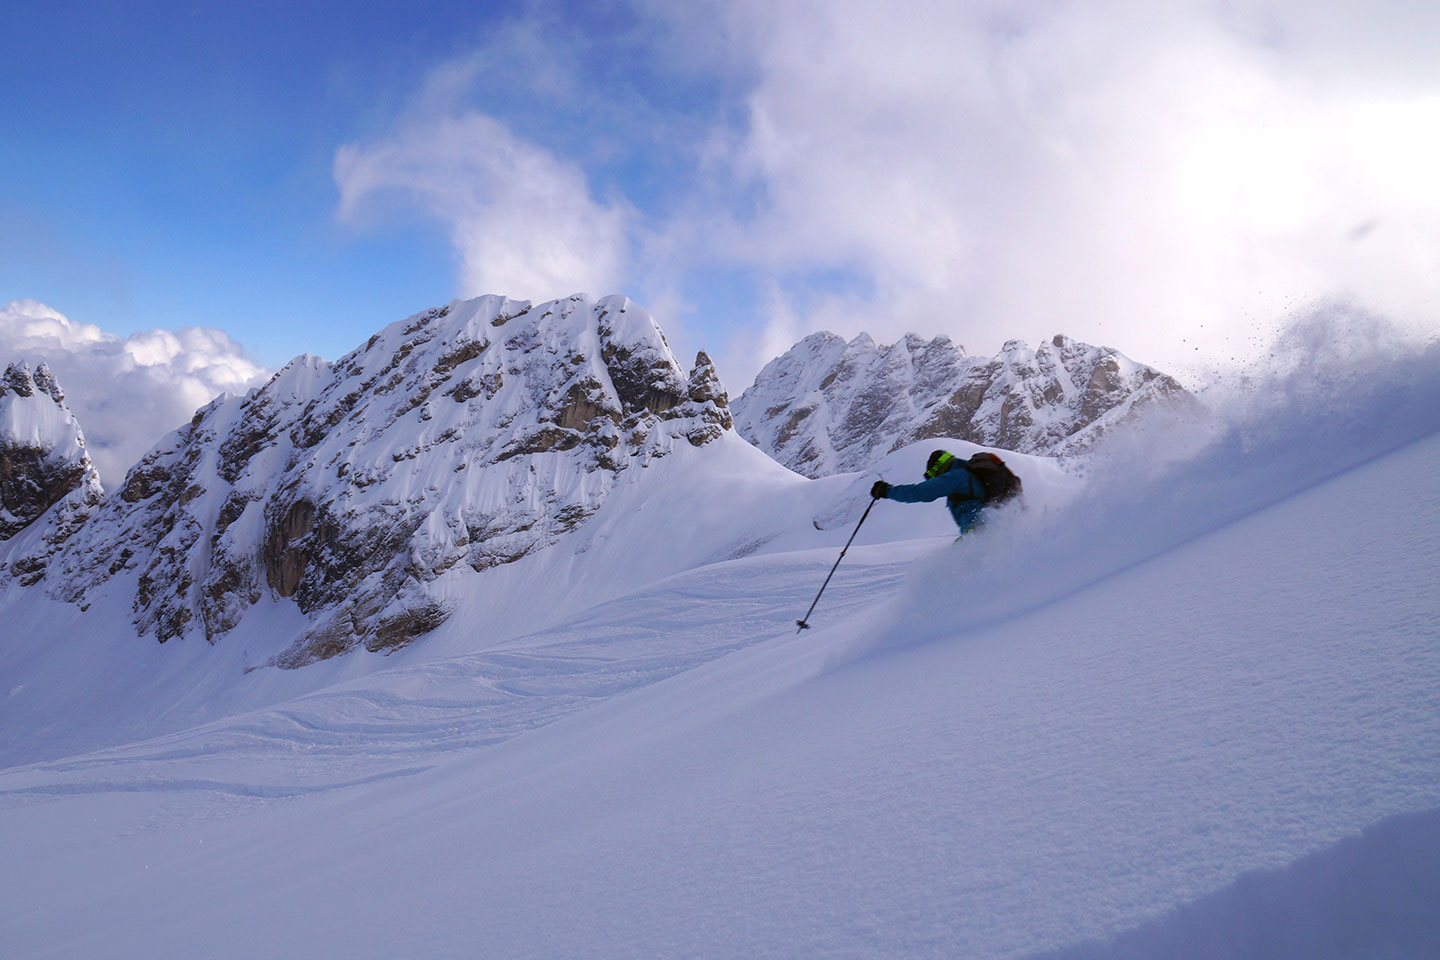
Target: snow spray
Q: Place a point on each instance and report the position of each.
(1338, 388)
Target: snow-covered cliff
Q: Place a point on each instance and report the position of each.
(43, 465)
(828, 406)
(466, 436)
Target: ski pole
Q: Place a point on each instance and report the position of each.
(801, 622)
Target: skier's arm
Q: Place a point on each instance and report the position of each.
(959, 480)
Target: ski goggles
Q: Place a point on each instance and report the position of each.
(941, 464)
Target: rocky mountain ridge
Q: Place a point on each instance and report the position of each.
(359, 494)
(466, 436)
(829, 406)
(43, 462)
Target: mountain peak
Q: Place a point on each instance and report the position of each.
(468, 435)
(44, 467)
(19, 380)
(822, 409)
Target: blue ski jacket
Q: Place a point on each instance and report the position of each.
(963, 492)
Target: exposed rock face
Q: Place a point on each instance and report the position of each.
(467, 436)
(44, 468)
(285, 553)
(828, 406)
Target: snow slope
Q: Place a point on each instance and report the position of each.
(1060, 777)
(1201, 705)
(690, 509)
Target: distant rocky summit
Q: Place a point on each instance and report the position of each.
(828, 406)
(43, 463)
(472, 434)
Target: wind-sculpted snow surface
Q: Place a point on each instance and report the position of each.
(465, 437)
(828, 406)
(405, 719)
(1367, 897)
(1338, 389)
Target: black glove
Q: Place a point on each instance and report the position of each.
(880, 491)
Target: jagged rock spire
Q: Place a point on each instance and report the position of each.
(43, 462)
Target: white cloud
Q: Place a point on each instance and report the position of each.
(521, 219)
(1154, 176)
(127, 392)
(1157, 177)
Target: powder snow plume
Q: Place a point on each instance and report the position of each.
(1338, 388)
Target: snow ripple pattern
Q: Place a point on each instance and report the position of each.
(402, 721)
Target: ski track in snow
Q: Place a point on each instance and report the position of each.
(401, 721)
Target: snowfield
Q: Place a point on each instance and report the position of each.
(1189, 707)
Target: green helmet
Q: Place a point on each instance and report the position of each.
(939, 462)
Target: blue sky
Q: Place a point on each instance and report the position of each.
(1172, 180)
(170, 165)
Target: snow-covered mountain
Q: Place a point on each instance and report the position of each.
(1191, 714)
(464, 437)
(828, 406)
(43, 465)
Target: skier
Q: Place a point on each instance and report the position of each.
(966, 485)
